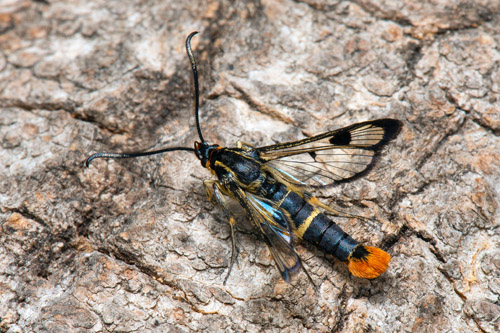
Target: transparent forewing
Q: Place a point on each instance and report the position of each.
(333, 156)
(325, 168)
(276, 231)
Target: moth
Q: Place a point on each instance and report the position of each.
(273, 185)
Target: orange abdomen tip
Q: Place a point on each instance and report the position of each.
(368, 262)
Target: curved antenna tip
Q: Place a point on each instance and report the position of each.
(190, 36)
(89, 159)
(196, 84)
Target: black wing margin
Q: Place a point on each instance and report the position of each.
(332, 157)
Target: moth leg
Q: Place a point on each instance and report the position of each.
(311, 281)
(315, 202)
(216, 191)
(209, 191)
(244, 145)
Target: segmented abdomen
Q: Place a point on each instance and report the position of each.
(310, 223)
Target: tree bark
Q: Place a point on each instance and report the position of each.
(135, 245)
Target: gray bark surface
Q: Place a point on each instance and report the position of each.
(134, 245)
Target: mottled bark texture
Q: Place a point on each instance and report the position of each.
(134, 245)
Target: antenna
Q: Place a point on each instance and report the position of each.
(137, 154)
(196, 85)
(196, 112)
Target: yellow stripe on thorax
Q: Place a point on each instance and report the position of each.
(304, 226)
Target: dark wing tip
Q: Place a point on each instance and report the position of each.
(391, 127)
(345, 136)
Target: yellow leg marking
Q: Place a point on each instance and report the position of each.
(304, 226)
(209, 190)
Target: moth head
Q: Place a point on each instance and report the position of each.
(204, 152)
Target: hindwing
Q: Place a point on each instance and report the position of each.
(275, 228)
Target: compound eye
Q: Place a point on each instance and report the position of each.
(197, 147)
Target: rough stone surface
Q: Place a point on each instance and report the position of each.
(134, 245)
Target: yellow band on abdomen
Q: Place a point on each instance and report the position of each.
(304, 226)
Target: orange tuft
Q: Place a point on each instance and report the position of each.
(368, 262)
